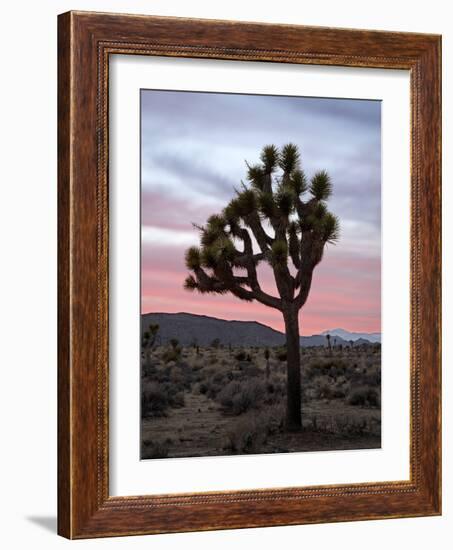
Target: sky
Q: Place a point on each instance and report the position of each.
(193, 151)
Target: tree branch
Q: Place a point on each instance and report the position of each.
(294, 246)
(305, 285)
(262, 238)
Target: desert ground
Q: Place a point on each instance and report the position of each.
(219, 400)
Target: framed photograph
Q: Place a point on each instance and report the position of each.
(249, 275)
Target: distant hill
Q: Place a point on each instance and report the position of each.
(188, 328)
(355, 336)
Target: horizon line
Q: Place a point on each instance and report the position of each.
(253, 321)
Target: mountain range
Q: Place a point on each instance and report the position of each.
(346, 335)
(189, 328)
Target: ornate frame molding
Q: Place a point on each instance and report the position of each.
(86, 40)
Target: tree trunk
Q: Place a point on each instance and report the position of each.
(147, 360)
(293, 400)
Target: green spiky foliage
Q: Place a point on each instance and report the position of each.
(288, 220)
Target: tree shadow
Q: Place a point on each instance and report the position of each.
(49, 523)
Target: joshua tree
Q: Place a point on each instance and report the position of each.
(269, 220)
(174, 342)
(268, 366)
(149, 339)
(215, 343)
(328, 343)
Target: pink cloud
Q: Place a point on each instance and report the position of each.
(345, 293)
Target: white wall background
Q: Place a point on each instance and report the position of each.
(28, 125)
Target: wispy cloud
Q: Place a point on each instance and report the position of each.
(195, 172)
(194, 147)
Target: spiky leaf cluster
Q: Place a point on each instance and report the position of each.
(279, 254)
(321, 186)
(270, 158)
(282, 214)
(289, 158)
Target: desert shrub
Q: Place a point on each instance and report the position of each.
(364, 397)
(176, 376)
(203, 387)
(180, 375)
(320, 424)
(309, 392)
(171, 354)
(332, 367)
(186, 373)
(246, 437)
(218, 377)
(344, 425)
(330, 391)
(242, 366)
(271, 419)
(358, 426)
(334, 372)
(206, 372)
(155, 449)
(308, 372)
(148, 369)
(275, 391)
(202, 374)
(155, 400)
(250, 397)
(372, 378)
(198, 365)
(313, 371)
(275, 387)
(162, 375)
(281, 354)
(215, 384)
(178, 400)
(252, 430)
(227, 394)
(240, 355)
(237, 398)
(352, 427)
(339, 391)
(213, 390)
(248, 370)
(173, 386)
(374, 398)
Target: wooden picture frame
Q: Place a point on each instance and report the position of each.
(85, 42)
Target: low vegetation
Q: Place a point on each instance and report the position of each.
(201, 401)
